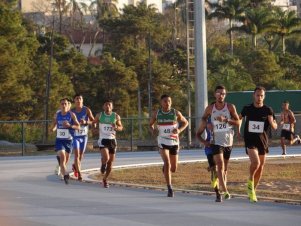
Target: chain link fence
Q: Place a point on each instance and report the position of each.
(26, 137)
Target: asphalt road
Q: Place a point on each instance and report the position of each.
(32, 195)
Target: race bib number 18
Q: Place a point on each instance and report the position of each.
(256, 127)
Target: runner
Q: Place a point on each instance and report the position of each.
(57, 170)
(168, 130)
(287, 123)
(223, 117)
(209, 155)
(258, 118)
(85, 118)
(64, 122)
(109, 122)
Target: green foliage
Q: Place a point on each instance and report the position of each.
(264, 69)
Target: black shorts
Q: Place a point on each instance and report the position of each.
(288, 135)
(210, 160)
(261, 149)
(173, 149)
(217, 149)
(110, 144)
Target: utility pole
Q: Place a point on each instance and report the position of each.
(48, 79)
(201, 92)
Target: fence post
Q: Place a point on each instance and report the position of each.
(23, 138)
(132, 131)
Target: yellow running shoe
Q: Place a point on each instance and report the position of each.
(251, 191)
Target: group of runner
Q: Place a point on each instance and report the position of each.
(71, 126)
(219, 120)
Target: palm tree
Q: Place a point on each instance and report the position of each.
(288, 25)
(231, 10)
(256, 22)
(77, 6)
(105, 9)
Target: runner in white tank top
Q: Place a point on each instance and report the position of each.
(224, 117)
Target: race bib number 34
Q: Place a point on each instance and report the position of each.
(256, 127)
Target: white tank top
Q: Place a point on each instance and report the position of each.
(222, 132)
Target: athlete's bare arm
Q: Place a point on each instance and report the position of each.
(90, 117)
(153, 130)
(119, 126)
(203, 124)
(272, 122)
(76, 124)
(53, 124)
(292, 117)
(234, 120)
(183, 123)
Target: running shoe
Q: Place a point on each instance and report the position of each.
(227, 195)
(253, 197)
(74, 170)
(57, 170)
(251, 191)
(103, 168)
(66, 179)
(105, 184)
(170, 193)
(218, 197)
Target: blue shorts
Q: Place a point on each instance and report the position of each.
(80, 143)
(65, 145)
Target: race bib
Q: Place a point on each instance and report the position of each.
(256, 127)
(166, 131)
(83, 131)
(63, 133)
(220, 126)
(286, 126)
(107, 129)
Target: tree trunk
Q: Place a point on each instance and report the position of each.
(283, 44)
(231, 36)
(254, 41)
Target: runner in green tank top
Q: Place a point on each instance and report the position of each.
(108, 123)
(170, 123)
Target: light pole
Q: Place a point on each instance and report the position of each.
(149, 84)
(48, 79)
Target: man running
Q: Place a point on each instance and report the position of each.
(64, 122)
(168, 130)
(209, 155)
(223, 117)
(258, 118)
(287, 123)
(57, 170)
(109, 122)
(85, 118)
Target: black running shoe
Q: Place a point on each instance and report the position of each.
(66, 179)
(103, 168)
(218, 198)
(170, 193)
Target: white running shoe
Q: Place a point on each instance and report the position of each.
(57, 170)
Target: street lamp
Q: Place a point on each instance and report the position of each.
(48, 79)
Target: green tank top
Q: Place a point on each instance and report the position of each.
(166, 118)
(106, 126)
(107, 119)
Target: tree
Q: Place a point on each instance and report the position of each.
(262, 65)
(17, 49)
(288, 25)
(256, 22)
(231, 10)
